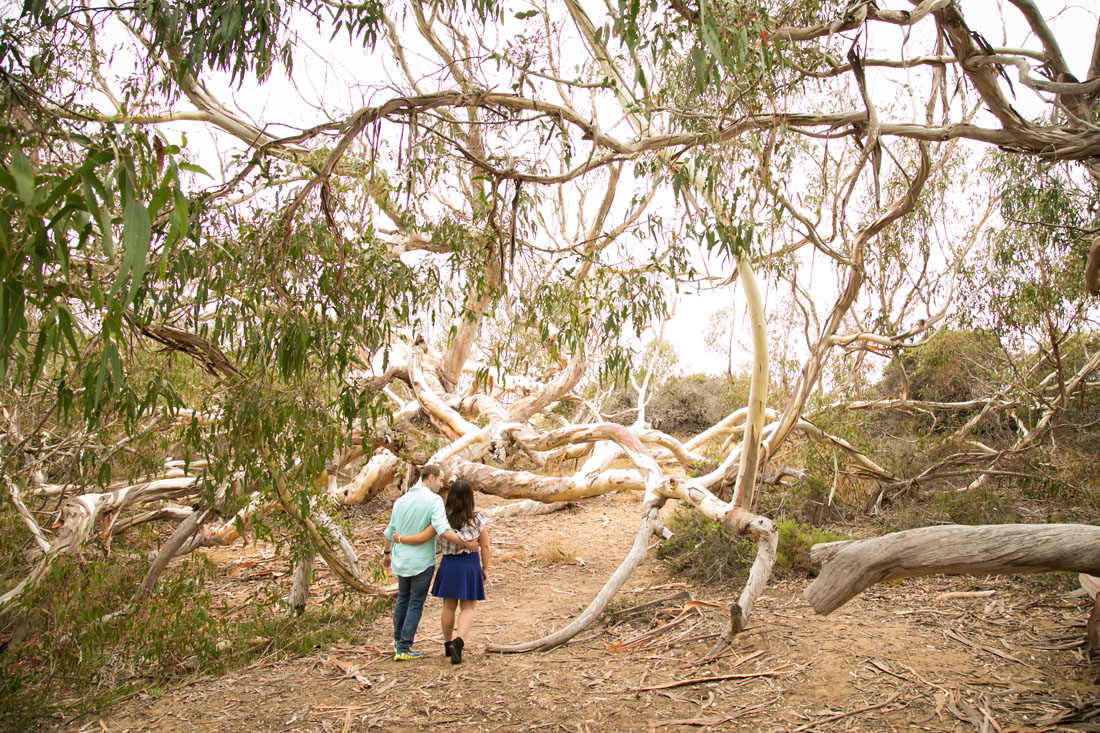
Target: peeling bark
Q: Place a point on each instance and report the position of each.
(299, 588)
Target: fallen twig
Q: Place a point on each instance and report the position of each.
(623, 645)
(716, 721)
(963, 594)
(702, 722)
(850, 713)
(622, 614)
(335, 709)
(719, 678)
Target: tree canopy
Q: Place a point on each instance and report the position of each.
(419, 232)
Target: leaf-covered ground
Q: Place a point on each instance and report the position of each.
(1008, 655)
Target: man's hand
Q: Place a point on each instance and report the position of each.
(386, 561)
(471, 545)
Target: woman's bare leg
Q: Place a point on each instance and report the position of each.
(465, 617)
(447, 618)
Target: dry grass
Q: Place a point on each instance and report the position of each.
(555, 552)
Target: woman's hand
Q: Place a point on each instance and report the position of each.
(396, 538)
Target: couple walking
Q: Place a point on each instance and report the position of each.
(409, 552)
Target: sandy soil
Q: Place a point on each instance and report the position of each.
(898, 657)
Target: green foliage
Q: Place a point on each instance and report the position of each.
(808, 500)
(75, 647)
(984, 505)
(707, 553)
(683, 406)
(712, 458)
(688, 405)
(78, 654)
(240, 38)
(55, 220)
(1032, 278)
(977, 506)
(953, 366)
(795, 541)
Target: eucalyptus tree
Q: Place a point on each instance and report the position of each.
(1025, 291)
(539, 178)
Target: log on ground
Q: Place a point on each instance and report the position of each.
(847, 568)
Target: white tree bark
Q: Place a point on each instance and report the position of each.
(299, 587)
(847, 568)
(758, 390)
(371, 480)
(528, 508)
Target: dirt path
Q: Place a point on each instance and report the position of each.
(896, 658)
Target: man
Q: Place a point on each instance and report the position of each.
(414, 564)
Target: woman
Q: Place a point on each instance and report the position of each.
(460, 580)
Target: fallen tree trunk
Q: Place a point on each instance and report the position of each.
(847, 568)
(528, 508)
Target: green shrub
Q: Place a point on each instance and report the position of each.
(712, 458)
(804, 501)
(689, 405)
(954, 366)
(682, 406)
(76, 654)
(75, 648)
(795, 541)
(982, 505)
(705, 552)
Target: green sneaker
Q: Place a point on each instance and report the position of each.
(405, 656)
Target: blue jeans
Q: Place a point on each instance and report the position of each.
(411, 592)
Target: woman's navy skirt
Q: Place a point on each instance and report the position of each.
(459, 576)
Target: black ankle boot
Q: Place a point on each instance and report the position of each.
(447, 647)
(456, 650)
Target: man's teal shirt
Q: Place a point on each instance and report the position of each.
(412, 513)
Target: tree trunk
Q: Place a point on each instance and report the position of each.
(371, 480)
(528, 508)
(299, 589)
(847, 568)
(745, 482)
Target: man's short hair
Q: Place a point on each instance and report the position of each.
(430, 470)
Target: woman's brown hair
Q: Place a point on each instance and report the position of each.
(459, 504)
